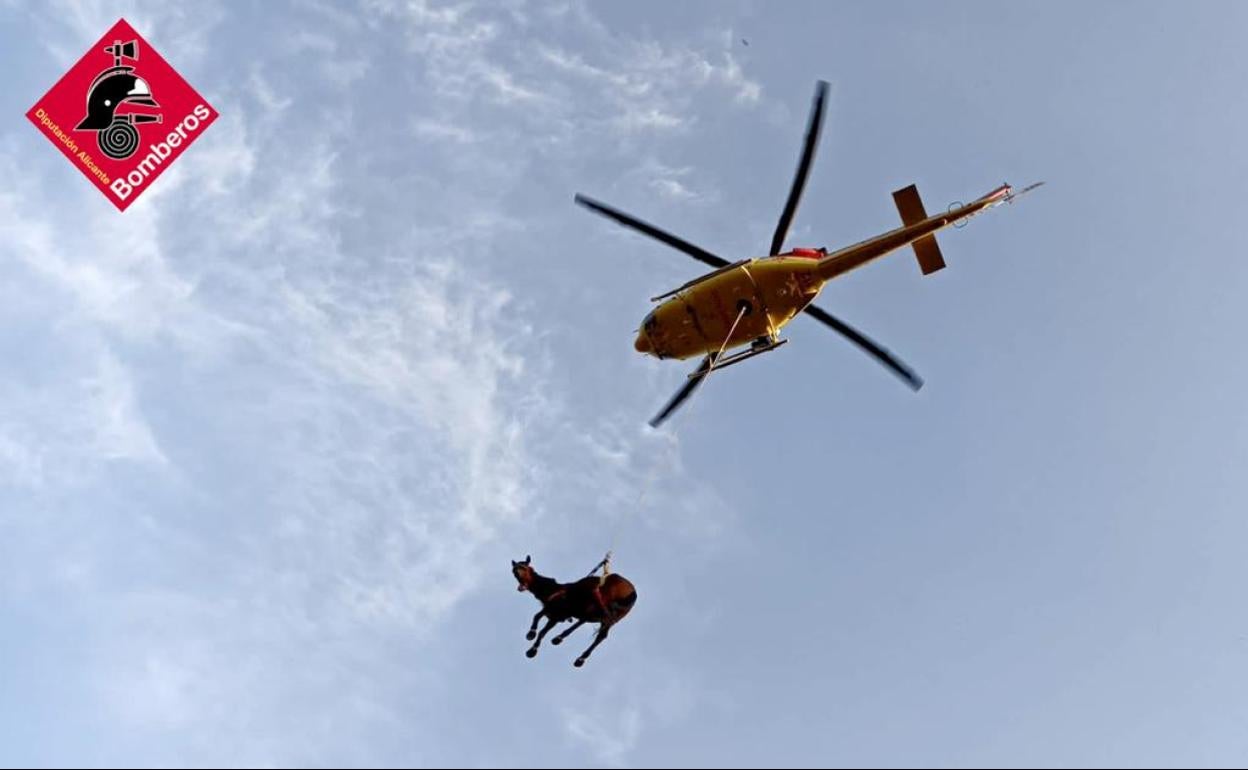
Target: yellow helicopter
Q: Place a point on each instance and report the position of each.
(751, 300)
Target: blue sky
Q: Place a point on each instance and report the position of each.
(269, 439)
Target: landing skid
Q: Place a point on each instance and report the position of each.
(737, 358)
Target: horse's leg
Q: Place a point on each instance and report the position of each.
(533, 626)
(602, 602)
(550, 623)
(598, 639)
(559, 639)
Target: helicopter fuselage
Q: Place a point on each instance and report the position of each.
(768, 292)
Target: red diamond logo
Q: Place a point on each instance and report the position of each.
(122, 115)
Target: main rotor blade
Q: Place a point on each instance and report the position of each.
(803, 168)
(686, 390)
(697, 253)
(858, 338)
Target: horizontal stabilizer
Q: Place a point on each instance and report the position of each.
(926, 250)
(928, 253)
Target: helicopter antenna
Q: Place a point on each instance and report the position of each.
(1010, 198)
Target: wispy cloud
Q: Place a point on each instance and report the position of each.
(66, 433)
(648, 118)
(378, 395)
(628, 86)
(120, 431)
(673, 183)
(672, 189)
(296, 381)
(443, 130)
(610, 717)
(21, 465)
(609, 736)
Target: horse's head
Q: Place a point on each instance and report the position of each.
(523, 572)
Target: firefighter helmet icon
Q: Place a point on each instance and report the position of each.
(116, 133)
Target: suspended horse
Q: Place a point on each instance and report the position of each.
(604, 600)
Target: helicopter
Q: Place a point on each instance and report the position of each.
(748, 302)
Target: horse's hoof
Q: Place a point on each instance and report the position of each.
(556, 640)
(530, 636)
(578, 662)
(531, 652)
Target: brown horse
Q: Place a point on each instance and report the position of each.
(604, 601)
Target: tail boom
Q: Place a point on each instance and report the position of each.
(918, 231)
(926, 250)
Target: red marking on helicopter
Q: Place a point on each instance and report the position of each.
(122, 125)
